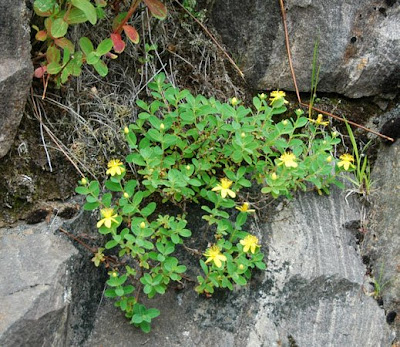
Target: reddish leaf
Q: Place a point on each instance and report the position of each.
(156, 8)
(41, 35)
(40, 71)
(65, 43)
(119, 44)
(131, 33)
(111, 55)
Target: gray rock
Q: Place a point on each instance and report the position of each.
(48, 290)
(382, 243)
(359, 43)
(310, 296)
(15, 68)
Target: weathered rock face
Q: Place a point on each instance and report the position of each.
(382, 244)
(15, 68)
(310, 296)
(48, 289)
(359, 43)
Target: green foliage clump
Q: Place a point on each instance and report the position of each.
(189, 148)
(60, 59)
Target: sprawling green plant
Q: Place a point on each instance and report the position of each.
(189, 148)
(60, 58)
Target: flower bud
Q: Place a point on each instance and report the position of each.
(234, 101)
(84, 181)
(187, 167)
(262, 96)
(142, 225)
(126, 130)
(274, 176)
(114, 274)
(334, 134)
(242, 135)
(162, 126)
(241, 267)
(126, 195)
(285, 122)
(329, 159)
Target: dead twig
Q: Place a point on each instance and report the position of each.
(283, 12)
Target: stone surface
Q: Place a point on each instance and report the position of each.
(44, 299)
(310, 296)
(15, 68)
(382, 244)
(359, 43)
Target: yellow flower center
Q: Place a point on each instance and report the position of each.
(288, 159)
(115, 167)
(214, 254)
(250, 243)
(225, 183)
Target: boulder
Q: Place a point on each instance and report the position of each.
(15, 68)
(382, 241)
(359, 43)
(310, 296)
(49, 289)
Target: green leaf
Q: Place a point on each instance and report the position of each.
(89, 206)
(149, 209)
(104, 47)
(137, 319)
(44, 5)
(101, 68)
(76, 16)
(113, 186)
(86, 7)
(59, 28)
(86, 45)
(92, 58)
(54, 68)
(53, 55)
(153, 313)
(82, 190)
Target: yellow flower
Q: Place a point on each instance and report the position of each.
(277, 95)
(224, 188)
(115, 167)
(214, 254)
(346, 160)
(234, 101)
(319, 120)
(250, 242)
(288, 159)
(108, 217)
(245, 208)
